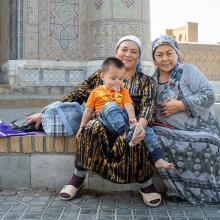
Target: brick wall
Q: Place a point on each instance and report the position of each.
(37, 144)
(204, 56)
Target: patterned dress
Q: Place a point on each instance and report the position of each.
(107, 155)
(194, 144)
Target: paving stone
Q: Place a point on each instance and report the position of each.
(6, 203)
(36, 208)
(124, 211)
(31, 215)
(142, 218)
(58, 209)
(13, 215)
(176, 213)
(109, 206)
(194, 213)
(27, 198)
(212, 213)
(161, 218)
(214, 218)
(87, 217)
(88, 211)
(106, 217)
(179, 218)
(89, 205)
(50, 216)
(109, 200)
(92, 200)
(196, 218)
(11, 198)
(42, 198)
(18, 207)
(155, 212)
(4, 208)
(71, 210)
(125, 202)
(124, 217)
(2, 213)
(59, 203)
(68, 217)
(31, 205)
(38, 203)
(141, 212)
(107, 212)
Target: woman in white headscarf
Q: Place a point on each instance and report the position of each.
(109, 156)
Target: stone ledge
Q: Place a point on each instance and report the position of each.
(44, 161)
(37, 144)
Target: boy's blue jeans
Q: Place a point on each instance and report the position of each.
(115, 119)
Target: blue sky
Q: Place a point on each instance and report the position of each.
(175, 13)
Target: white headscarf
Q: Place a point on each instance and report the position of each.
(131, 38)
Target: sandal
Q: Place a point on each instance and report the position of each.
(70, 190)
(149, 197)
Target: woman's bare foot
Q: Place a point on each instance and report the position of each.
(163, 164)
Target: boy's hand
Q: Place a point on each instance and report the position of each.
(132, 121)
(78, 134)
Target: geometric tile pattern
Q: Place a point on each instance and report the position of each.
(105, 35)
(60, 37)
(98, 4)
(13, 29)
(95, 206)
(51, 77)
(76, 77)
(28, 77)
(205, 57)
(128, 3)
(58, 29)
(111, 21)
(31, 43)
(64, 24)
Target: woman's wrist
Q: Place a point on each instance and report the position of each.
(182, 106)
(143, 122)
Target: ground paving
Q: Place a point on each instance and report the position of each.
(41, 204)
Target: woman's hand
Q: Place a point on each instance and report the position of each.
(35, 118)
(79, 132)
(132, 121)
(138, 136)
(171, 107)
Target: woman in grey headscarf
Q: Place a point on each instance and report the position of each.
(186, 126)
(109, 156)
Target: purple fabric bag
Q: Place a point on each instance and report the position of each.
(6, 131)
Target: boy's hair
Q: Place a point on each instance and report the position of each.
(112, 61)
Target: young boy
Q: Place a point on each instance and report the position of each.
(114, 108)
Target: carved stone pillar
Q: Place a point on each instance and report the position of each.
(109, 20)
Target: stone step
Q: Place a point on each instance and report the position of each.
(217, 97)
(35, 90)
(48, 162)
(4, 89)
(26, 101)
